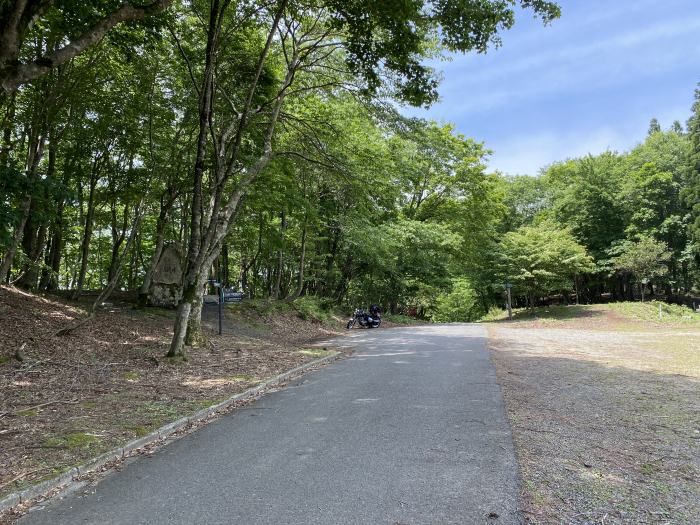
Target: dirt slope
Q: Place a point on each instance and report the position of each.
(72, 397)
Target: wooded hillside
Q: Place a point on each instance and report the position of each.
(262, 142)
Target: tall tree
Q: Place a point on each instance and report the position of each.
(692, 191)
(645, 259)
(541, 259)
(654, 127)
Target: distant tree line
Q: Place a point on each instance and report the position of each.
(636, 215)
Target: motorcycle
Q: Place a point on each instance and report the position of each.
(365, 320)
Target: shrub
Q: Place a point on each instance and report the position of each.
(312, 308)
(460, 304)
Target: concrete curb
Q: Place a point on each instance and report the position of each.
(63, 481)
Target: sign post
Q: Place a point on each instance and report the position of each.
(217, 284)
(508, 303)
(221, 307)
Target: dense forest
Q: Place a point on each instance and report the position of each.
(264, 142)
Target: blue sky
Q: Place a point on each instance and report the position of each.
(591, 81)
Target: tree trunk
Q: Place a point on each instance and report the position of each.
(224, 266)
(111, 285)
(36, 152)
(87, 232)
(195, 336)
(118, 237)
(7, 122)
(193, 266)
(280, 257)
(34, 250)
(205, 243)
(161, 223)
(16, 18)
(53, 261)
(302, 262)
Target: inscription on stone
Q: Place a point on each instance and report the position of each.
(166, 288)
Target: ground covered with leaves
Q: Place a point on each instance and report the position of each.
(604, 404)
(66, 399)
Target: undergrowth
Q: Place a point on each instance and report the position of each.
(400, 319)
(651, 311)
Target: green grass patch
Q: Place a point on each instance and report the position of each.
(243, 378)
(308, 308)
(316, 352)
(131, 376)
(649, 311)
(177, 360)
(5, 359)
(313, 309)
(89, 405)
(636, 311)
(71, 441)
(649, 469)
(28, 413)
(159, 413)
(544, 313)
(494, 314)
(206, 403)
(80, 439)
(139, 430)
(258, 307)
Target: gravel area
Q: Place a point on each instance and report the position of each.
(606, 423)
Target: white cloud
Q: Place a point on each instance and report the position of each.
(515, 60)
(552, 65)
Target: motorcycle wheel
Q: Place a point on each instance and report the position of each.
(349, 325)
(379, 321)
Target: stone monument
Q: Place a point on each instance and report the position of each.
(166, 284)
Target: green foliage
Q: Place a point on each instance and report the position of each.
(654, 127)
(541, 259)
(692, 190)
(645, 259)
(586, 199)
(526, 198)
(395, 34)
(494, 314)
(458, 305)
(313, 308)
(356, 204)
(649, 311)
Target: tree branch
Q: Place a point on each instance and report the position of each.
(11, 77)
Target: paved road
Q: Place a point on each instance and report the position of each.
(410, 430)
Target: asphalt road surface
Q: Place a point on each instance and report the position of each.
(409, 430)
